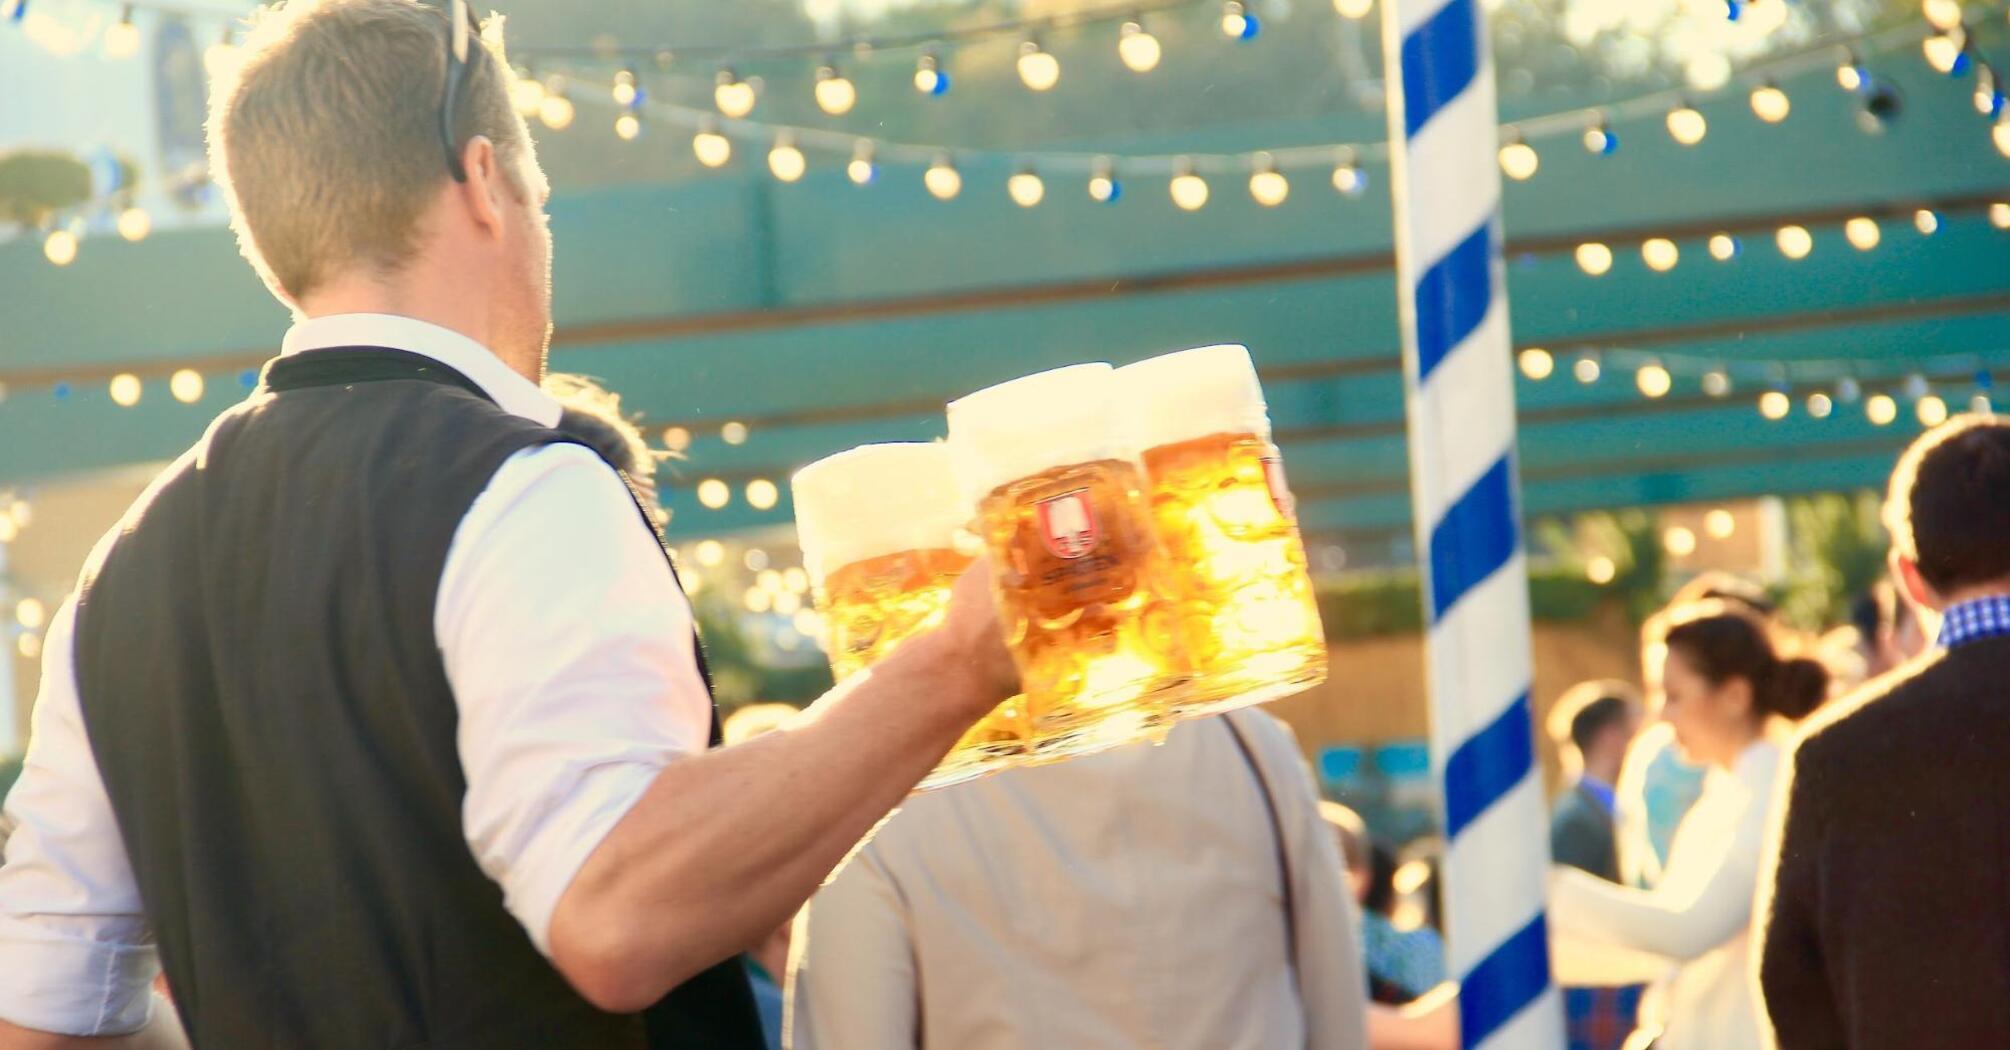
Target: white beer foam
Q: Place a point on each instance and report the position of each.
(1048, 419)
(1191, 394)
(876, 500)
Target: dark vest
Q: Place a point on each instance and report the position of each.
(267, 704)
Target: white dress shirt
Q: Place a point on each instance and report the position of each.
(569, 651)
(1691, 934)
(1125, 901)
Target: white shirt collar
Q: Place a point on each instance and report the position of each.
(515, 394)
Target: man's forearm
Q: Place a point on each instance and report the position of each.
(727, 845)
(163, 1032)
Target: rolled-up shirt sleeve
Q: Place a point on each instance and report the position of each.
(569, 648)
(76, 952)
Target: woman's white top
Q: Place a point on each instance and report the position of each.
(1690, 936)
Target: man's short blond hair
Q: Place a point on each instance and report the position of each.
(325, 136)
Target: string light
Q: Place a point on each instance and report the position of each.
(1848, 390)
(1025, 188)
(220, 58)
(1880, 409)
(1686, 125)
(1720, 524)
(1594, 258)
(122, 38)
(1916, 387)
(785, 161)
(1863, 233)
(1999, 215)
(1979, 404)
(941, 178)
(1600, 139)
(1850, 75)
(1820, 405)
(1600, 569)
(929, 77)
(1586, 369)
(1354, 9)
(1266, 184)
(712, 149)
(60, 247)
(1723, 247)
(861, 170)
(1103, 185)
(1943, 50)
(1238, 22)
(1999, 133)
(1988, 101)
(1518, 159)
(527, 95)
(1679, 541)
(1717, 383)
(627, 126)
(134, 223)
(556, 111)
(676, 439)
(624, 91)
(1942, 14)
(1770, 104)
(1659, 253)
(734, 97)
(186, 386)
(31, 613)
(1653, 380)
(757, 600)
(733, 432)
(1536, 363)
(1925, 222)
(1347, 176)
(714, 493)
(1137, 48)
(1189, 190)
(1931, 410)
(1038, 70)
(125, 389)
(835, 95)
(1794, 241)
(709, 553)
(1774, 405)
(761, 494)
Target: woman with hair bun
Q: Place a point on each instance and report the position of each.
(1730, 698)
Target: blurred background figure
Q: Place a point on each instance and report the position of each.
(1402, 965)
(1888, 630)
(1180, 896)
(592, 413)
(1592, 725)
(1729, 697)
(768, 960)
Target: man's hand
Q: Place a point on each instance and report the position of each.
(971, 627)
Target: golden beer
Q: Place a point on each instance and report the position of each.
(1237, 573)
(877, 526)
(1061, 509)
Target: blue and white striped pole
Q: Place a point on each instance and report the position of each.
(1460, 391)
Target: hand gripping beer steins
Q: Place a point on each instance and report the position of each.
(1237, 574)
(878, 526)
(1060, 505)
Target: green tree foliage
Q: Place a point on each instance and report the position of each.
(1837, 551)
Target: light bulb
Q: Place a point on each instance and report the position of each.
(1586, 369)
(1820, 405)
(714, 493)
(711, 148)
(186, 386)
(1025, 188)
(1038, 69)
(1237, 22)
(1942, 14)
(1848, 389)
(709, 553)
(1987, 100)
(1942, 50)
(1355, 9)
(1720, 524)
(676, 439)
(1594, 258)
(1794, 241)
(1723, 247)
(1653, 380)
(1925, 221)
(1268, 185)
(1931, 410)
(1686, 125)
(125, 390)
(1775, 404)
(762, 494)
(1880, 409)
(1770, 104)
(1600, 569)
(1850, 75)
(1679, 541)
(134, 223)
(60, 247)
(1979, 404)
(835, 94)
(1863, 233)
(941, 178)
(861, 170)
(1717, 382)
(122, 38)
(1999, 215)
(1189, 190)
(1599, 139)
(1137, 48)
(1519, 160)
(527, 95)
(1999, 133)
(1536, 363)
(785, 161)
(556, 111)
(221, 58)
(733, 96)
(1103, 185)
(1348, 179)
(929, 76)
(624, 91)
(627, 126)
(1660, 254)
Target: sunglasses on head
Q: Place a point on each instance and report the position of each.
(460, 31)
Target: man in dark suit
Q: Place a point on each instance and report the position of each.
(1883, 921)
(1591, 725)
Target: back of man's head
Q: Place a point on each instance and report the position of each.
(325, 134)
(1589, 709)
(1949, 506)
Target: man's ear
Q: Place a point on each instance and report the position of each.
(1911, 584)
(482, 194)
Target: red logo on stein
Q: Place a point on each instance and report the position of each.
(1068, 524)
(1280, 493)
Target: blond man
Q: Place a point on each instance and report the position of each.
(378, 721)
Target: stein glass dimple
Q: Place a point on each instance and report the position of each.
(1060, 504)
(1238, 578)
(879, 530)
